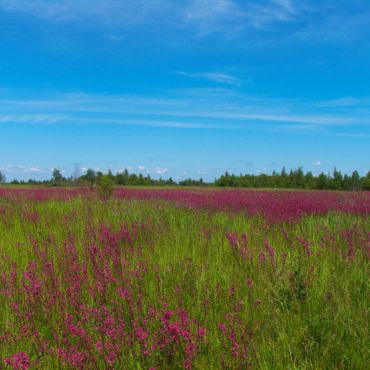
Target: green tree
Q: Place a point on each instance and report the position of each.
(57, 177)
(91, 177)
(105, 186)
(355, 178)
(347, 182)
(322, 181)
(299, 178)
(309, 181)
(365, 182)
(122, 178)
(337, 180)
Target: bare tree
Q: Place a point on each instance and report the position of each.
(2, 178)
(76, 171)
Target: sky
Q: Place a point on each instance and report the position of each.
(189, 88)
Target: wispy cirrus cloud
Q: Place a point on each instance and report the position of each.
(31, 118)
(287, 5)
(309, 20)
(136, 12)
(347, 103)
(108, 12)
(233, 17)
(219, 77)
(333, 23)
(193, 109)
(203, 16)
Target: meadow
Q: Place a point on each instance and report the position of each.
(184, 279)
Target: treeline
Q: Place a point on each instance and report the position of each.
(131, 179)
(92, 178)
(297, 179)
(294, 179)
(124, 178)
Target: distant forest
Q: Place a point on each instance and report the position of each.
(294, 179)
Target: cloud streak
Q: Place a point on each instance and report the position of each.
(219, 77)
(264, 22)
(193, 109)
(203, 16)
(206, 109)
(108, 12)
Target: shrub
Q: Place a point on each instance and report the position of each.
(105, 186)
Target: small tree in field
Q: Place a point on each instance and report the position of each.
(57, 177)
(105, 186)
(91, 177)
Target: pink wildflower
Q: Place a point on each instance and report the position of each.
(18, 361)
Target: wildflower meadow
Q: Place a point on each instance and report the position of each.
(184, 279)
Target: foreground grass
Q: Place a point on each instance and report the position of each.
(284, 296)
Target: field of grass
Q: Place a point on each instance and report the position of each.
(179, 279)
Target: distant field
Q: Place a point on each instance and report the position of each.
(184, 279)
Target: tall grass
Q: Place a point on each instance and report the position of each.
(149, 284)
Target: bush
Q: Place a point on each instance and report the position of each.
(105, 186)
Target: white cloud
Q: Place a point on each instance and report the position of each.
(35, 169)
(204, 16)
(152, 123)
(191, 109)
(347, 102)
(230, 17)
(335, 23)
(313, 21)
(201, 172)
(291, 117)
(160, 170)
(317, 163)
(9, 169)
(218, 77)
(141, 168)
(16, 169)
(208, 16)
(30, 118)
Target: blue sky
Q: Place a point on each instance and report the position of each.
(184, 88)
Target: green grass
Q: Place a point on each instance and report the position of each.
(314, 310)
